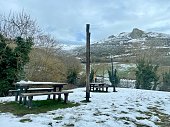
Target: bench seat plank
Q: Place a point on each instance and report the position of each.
(13, 90)
(39, 89)
(44, 93)
(30, 96)
(16, 92)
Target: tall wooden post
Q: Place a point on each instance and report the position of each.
(87, 62)
(113, 78)
(112, 64)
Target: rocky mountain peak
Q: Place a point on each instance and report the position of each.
(137, 33)
(112, 36)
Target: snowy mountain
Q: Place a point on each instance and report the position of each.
(127, 43)
(69, 46)
(136, 35)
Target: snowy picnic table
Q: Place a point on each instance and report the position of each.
(23, 87)
(98, 86)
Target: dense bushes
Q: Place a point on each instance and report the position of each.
(166, 81)
(166, 78)
(72, 77)
(12, 61)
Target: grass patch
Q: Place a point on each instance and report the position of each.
(147, 113)
(69, 125)
(141, 118)
(85, 101)
(105, 114)
(141, 125)
(97, 113)
(164, 118)
(154, 111)
(130, 108)
(128, 119)
(127, 123)
(25, 120)
(138, 105)
(123, 112)
(58, 118)
(100, 121)
(124, 118)
(39, 106)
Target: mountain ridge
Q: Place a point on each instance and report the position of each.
(127, 44)
(136, 34)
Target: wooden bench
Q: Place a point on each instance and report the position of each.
(30, 96)
(96, 87)
(101, 88)
(14, 92)
(30, 90)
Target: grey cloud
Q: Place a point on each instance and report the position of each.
(165, 28)
(66, 19)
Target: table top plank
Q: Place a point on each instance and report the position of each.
(97, 83)
(27, 83)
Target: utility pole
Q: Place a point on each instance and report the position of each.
(87, 62)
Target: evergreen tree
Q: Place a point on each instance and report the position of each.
(72, 76)
(8, 67)
(146, 77)
(166, 78)
(12, 61)
(117, 80)
(22, 54)
(114, 79)
(92, 75)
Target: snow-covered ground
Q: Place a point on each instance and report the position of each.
(125, 108)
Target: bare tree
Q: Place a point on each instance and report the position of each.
(18, 24)
(45, 64)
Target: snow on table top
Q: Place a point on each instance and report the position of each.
(104, 110)
(34, 83)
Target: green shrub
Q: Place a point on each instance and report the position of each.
(72, 76)
(82, 80)
(166, 78)
(12, 61)
(114, 79)
(92, 75)
(165, 81)
(146, 77)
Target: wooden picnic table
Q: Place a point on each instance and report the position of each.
(23, 87)
(98, 86)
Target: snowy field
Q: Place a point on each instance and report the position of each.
(125, 108)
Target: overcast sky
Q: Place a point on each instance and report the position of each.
(66, 19)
